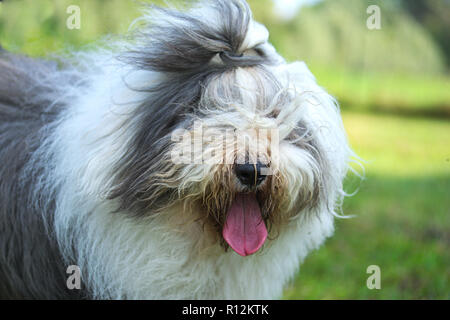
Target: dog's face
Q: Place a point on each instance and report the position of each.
(246, 163)
(241, 142)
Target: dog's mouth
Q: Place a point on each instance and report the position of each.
(245, 230)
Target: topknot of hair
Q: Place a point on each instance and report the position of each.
(213, 33)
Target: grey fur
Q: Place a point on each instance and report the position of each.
(189, 46)
(30, 263)
(183, 52)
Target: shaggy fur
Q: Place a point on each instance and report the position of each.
(88, 176)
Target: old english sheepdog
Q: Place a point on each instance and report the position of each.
(184, 160)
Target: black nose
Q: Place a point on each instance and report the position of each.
(250, 174)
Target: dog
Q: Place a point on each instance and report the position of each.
(186, 160)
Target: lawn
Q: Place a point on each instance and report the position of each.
(403, 94)
(401, 222)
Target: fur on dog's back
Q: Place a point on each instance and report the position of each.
(30, 264)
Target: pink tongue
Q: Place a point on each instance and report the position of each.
(244, 230)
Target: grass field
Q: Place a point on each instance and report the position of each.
(402, 94)
(402, 219)
(398, 123)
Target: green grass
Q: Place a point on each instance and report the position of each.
(400, 146)
(387, 92)
(402, 219)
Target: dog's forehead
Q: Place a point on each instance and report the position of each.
(252, 89)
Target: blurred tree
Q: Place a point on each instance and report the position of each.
(331, 33)
(334, 33)
(434, 15)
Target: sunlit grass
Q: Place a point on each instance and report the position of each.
(403, 94)
(399, 146)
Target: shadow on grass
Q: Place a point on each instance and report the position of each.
(431, 111)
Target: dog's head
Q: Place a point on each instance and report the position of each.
(230, 136)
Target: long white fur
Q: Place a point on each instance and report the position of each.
(149, 258)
